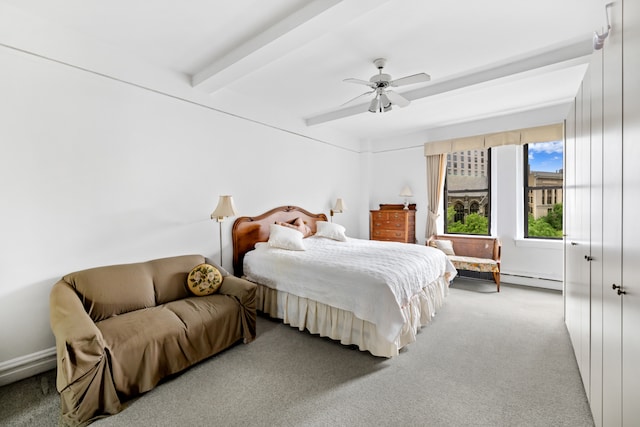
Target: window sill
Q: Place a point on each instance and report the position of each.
(539, 243)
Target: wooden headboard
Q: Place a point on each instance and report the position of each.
(247, 231)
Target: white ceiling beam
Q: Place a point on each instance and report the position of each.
(286, 35)
(294, 31)
(244, 58)
(567, 55)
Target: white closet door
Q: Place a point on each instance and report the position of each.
(583, 206)
(573, 246)
(577, 207)
(630, 214)
(595, 77)
(612, 222)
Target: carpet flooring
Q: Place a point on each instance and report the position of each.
(487, 359)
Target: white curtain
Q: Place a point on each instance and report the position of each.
(436, 169)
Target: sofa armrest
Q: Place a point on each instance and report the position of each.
(242, 289)
(79, 342)
(497, 250)
(244, 292)
(84, 377)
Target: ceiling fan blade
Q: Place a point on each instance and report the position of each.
(409, 80)
(358, 97)
(360, 82)
(397, 99)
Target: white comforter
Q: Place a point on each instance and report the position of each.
(372, 279)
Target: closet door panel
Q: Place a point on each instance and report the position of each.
(631, 215)
(595, 77)
(612, 222)
(572, 245)
(583, 207)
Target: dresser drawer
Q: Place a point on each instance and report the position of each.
(398, 224)
(388, 216)
(395, 235)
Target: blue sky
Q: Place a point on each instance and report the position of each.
(546, 156)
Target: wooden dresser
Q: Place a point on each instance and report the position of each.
(393, 223)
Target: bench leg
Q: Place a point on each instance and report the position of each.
(496, 278)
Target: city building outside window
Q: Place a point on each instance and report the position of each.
(467, 198)
(543, 184)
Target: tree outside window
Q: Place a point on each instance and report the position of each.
(467, 195)
(543, 184)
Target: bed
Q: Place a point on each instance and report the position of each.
(372, 294)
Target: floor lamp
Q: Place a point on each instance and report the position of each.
(224, 209)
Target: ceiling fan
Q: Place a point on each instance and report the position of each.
(383, 97)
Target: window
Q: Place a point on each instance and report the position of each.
(467, 196)
(543, 183)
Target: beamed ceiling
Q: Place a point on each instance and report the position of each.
(283, 62)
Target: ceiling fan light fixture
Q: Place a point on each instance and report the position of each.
(380, 104)
(384, 101)
(373, 107)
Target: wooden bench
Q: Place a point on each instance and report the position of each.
(473, 253)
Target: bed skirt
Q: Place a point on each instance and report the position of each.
(343, 326)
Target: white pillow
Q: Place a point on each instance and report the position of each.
(285, 238)
(445, 246)
(331, 231)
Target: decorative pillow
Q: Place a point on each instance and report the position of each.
(222, 270)
(297, 224)
(204, 279)
(284, 237)
(331, 231)
(302, 227)
(286, 224)
(445, 246)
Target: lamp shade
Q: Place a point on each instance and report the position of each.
(406, 192)
(224, 209)
(385, 103)
(340, 206)
(373, 107)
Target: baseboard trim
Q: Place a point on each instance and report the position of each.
(27, 366)
(536, 282)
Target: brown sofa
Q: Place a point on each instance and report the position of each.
(121, 329)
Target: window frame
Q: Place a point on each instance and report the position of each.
(527, 189)
(486, 160)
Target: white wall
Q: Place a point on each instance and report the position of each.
(522, 259)
(95, 171)
(390, 171)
